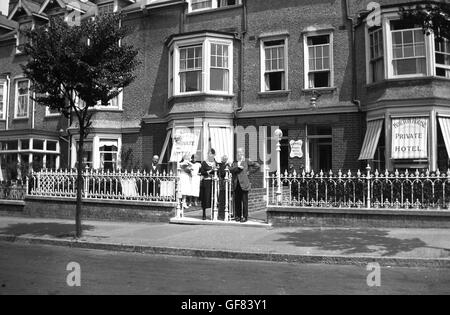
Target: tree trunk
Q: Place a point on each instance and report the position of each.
(79, 230)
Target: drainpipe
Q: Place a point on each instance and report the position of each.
(242, 58)
(354, 70)
(8, 93)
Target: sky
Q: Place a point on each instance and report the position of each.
(4, 6)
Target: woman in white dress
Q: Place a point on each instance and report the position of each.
(195, 180)
(185, 178)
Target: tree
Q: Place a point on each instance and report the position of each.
(73, 67)
(432, 16)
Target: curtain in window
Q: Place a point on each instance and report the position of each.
(23, 98)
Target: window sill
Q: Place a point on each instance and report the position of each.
(20, 118)
(199, 12)
(105, 109)
(200, 94)
(268, 94)
(325, 90)
(52, 116)
(406, 79)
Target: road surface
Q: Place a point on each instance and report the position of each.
(36, 269)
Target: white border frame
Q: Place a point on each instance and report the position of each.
(5, 99)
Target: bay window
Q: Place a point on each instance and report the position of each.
(401, 49)
(274, 65)
(408, 47)
(100, 151)
(442, 49)
(200, 66)
(318, 61)
(109, 150)
(22, 102)
(200, 5)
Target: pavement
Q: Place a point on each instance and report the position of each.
(388, 247)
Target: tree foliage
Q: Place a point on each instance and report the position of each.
(432, 16)
(74, 67)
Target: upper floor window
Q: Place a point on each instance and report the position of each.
(22, 98)
(401, 49)
(115, 103)
(408, 46)
(442, 57)
(3, 93)
(201, 66)
(22, 39)
(376, 69)
(274, 65)
(106, 8)
(199, 5)
(318, 61)
(191, 67)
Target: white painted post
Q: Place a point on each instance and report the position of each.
(278, 135)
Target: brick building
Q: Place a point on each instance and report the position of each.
(227, 73)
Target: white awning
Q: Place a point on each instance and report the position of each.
(185, 141)
(164, 149)
(445, 127)
(371, 140)
(221, 142)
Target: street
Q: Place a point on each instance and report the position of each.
(36, 269)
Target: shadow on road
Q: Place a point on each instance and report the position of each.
(354, 241)
(57, 230)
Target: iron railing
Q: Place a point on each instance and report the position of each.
(14, 190)
(388, 190)
(105, 185)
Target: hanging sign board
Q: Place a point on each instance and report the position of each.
(296, 148)
(410, 138)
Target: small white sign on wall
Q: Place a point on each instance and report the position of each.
(296, 148)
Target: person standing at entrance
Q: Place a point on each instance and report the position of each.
(207, 171)
(241, 183)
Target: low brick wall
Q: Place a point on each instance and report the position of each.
(257, 199)
(12, 207)
(108, 210)
(379, 218)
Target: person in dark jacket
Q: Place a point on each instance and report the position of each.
(241, 183)
(207, 171)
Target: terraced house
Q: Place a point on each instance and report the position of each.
(227, 73)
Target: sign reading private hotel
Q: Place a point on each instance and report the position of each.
(410, 138)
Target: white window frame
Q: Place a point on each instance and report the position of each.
(214, 5)
(18, 51)
(369, 72)
(107, 3)
(4, 99)
(262, 49)
(50, 114)
(438, 65)
(388, 49)
(306, 57)
(16, 102)
(206, 42)
(96, 140)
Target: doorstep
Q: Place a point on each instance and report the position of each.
(194, 221)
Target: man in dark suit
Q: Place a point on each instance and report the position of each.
(241, 183)
(155, 186)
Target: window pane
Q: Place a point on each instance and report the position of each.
(319, 79)
(38, 144)
(51, 145)
(274, 81)
(25, 144)
(410, 66)
(191, 81)
(219, 80)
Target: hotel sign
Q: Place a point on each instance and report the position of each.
(410, 138)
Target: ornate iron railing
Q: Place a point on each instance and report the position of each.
(15, 190)
(388, 190)
(105, 185)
